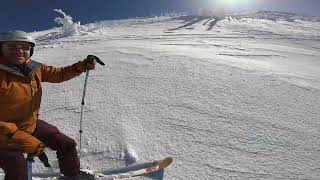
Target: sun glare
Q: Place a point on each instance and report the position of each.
(233, 4)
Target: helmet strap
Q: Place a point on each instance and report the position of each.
(31, 51)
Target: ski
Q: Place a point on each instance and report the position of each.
(132, 171)
(145, 171)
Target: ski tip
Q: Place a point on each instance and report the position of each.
(158, 166)
(165, 162)
(168, 160)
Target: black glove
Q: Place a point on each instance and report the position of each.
(44, 159)
(89, 63)
(96, 58)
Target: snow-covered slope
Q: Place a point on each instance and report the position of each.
(276, 16)
(233, 98)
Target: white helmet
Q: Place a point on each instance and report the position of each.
(17, 36)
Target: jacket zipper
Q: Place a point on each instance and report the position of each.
(28, 80)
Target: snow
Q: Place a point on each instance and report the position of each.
(239, 101)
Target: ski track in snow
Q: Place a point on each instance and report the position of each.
(238, 102)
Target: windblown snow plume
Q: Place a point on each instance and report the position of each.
(69, 28)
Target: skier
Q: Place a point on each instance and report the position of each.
(20, 94)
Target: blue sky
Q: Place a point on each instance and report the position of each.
(35, 15)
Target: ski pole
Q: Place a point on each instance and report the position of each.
(29, 166)
(84, 94)
(43, 158)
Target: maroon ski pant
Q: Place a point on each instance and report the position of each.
(14, 165)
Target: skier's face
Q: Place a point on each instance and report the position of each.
(16, 52)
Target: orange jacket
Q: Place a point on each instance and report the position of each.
(20, 92)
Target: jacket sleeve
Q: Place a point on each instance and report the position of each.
(57, 75)
(7, 128)
(27, 143)
(10, 133)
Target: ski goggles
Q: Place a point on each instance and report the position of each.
(14, 46)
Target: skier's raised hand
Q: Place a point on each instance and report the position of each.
(96, 59)
(89, 63)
